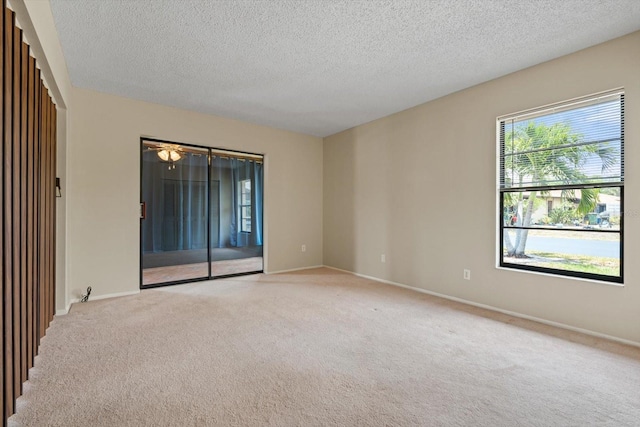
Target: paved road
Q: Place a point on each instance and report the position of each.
(599, 248)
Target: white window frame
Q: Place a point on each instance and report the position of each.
(241, 205)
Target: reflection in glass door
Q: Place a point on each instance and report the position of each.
(175, 204)
(236, 212)
(202, 213)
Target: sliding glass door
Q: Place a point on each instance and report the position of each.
(201, 213)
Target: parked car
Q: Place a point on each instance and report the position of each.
(603, 220)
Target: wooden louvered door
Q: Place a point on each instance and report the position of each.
(27, 213)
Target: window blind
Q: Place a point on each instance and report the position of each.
(575, 144)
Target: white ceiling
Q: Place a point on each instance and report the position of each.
(319, 66)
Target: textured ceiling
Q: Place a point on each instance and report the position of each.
(319, 66)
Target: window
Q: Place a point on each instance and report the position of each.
(561, 188)
(245, 205)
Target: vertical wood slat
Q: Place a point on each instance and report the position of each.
(31, 242)
(37, 211)
(50, 200)
(44, 214)
(41, 231)
(49, 193)
(52, 218)
(24, 55)
(3, 379)
(41, 212)
(27, 211)
(47, 230)
(46, 206)
(17, 371)
(47, 221)
(8, 218)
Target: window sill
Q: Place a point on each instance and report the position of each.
(561, 276)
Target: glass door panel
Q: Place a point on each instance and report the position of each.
(236, 214)
(174, 227)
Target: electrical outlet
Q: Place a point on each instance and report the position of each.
(383, 258)
(304, 248)
(466, 274)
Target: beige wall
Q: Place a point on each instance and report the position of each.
(420, 187)
(104, 186)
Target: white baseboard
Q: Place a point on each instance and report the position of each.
(499, 310)
(97, 297)
(294, 269)
(66, 310)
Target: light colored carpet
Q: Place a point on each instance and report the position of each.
(319, 348)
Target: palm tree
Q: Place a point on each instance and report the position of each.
(547, 156)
